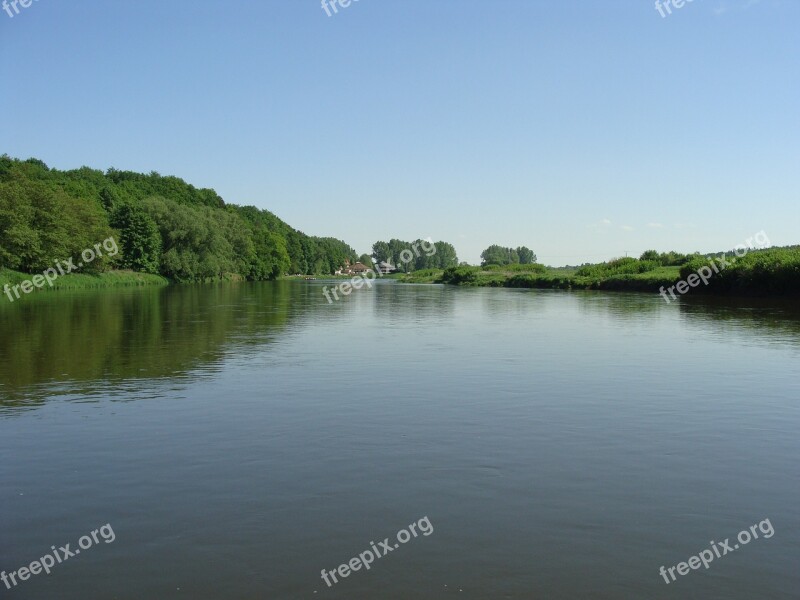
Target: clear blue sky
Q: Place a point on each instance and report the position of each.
(581, 129)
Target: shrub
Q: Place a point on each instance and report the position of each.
(460, 275)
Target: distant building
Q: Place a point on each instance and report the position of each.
(359, 268)
(345, 270)
(386, 268)
(356, 269)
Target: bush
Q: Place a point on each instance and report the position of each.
(460, 275)
(772, 271)
(517, 268)
(619, 266)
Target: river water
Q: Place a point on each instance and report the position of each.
(238, 439)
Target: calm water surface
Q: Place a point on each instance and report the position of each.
(241, 438)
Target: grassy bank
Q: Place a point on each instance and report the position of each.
(774, 271)
(550, 279)
(82, 281)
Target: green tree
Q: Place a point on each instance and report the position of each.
(366, 259)
(381, 252)
(446, 256)
(650, 255)
(163, 224)
(526, 256)
(499, 255)
(139, 239)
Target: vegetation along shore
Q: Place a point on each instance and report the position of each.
(169, 231)
(772, 271)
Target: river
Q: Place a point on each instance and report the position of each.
(240, 438)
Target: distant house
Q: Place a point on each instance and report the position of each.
(355, 269)
(385, 268)
(345, 270)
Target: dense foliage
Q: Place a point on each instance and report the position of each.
(516, 268)
(760, 272)
(462, 275)
(499, 255)
(163, 225)
(666, 259)
(415, 256)
(771, 271)
(619, 266)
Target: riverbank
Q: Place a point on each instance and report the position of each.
(773, 271)
(82, 281)
(550, 279)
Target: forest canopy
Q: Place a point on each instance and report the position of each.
(499, 255)
(162, 224)
(416, 255)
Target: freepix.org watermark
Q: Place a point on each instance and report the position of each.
(64, 267)
(328, 5)
(357, 282)
(57, 556)
(667, 6)
(718, 550)
(8, 5)
(715, 266)
(366, 558)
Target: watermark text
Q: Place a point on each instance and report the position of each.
(61, 267)
(718, 550)
(57, 556)
(366, 558)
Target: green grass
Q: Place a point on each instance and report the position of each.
(422, 276)
(83, 281)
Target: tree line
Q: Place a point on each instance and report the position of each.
(416, 255)
(163, 225)
(500, 255)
